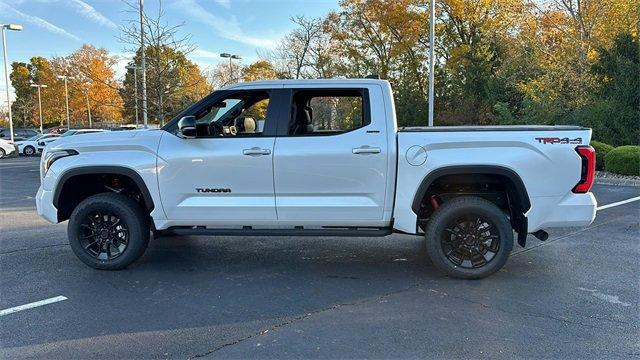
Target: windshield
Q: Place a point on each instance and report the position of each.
(69, 133)
(34, 137)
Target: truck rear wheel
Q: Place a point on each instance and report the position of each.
(108, 231)
(469, 237)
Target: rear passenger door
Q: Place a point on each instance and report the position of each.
(330, 158)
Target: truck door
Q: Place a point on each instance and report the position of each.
(330, 163)
(224, 176)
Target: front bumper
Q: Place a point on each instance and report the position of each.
(44, 205)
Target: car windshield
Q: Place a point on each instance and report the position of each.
(34, 137)
(69, 133)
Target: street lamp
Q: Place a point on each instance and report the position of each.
(39, 86)
(143, 67)
(86, 94)
(66, 96)
(135, 91)
(14, 27)
(432, 30)
(231, 57)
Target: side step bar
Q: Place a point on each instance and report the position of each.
(248, 231)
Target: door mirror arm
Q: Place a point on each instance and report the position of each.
(187, 127)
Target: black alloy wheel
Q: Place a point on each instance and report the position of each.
(103, 235)
(109, 231)
(470, 241)
(469, 237)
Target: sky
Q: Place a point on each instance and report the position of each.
(243, 27)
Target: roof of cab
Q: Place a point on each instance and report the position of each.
(307, 82)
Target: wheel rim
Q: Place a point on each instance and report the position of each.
(470, 242)
(29, 151)
(103, 235)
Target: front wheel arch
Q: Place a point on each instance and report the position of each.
(68, 179)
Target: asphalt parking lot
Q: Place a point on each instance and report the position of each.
(573, 296)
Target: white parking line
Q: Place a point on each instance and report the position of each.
(32, 305)
(618, 203)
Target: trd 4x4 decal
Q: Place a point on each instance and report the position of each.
(557, 140)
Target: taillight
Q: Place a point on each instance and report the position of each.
(588, 169)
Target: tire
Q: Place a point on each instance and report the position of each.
(29, 151)
(469, 238)
(104, 223)
(2, 153)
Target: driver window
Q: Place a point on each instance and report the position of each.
(239, 114)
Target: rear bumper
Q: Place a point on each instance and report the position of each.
(573, 210)
(44, 205)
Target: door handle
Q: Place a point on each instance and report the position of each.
(366, 150)
(256, 151)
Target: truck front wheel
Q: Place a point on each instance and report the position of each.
(108, 231)
(469, 237)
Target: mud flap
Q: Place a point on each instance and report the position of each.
(522, 231)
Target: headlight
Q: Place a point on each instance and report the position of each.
(50, 157)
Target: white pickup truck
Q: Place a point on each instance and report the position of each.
(321, 158)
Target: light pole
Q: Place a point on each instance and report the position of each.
(86, 94)
(231, 57)
(135, 91)
(14, 27)
(66, 96)
(39, 86)
(143, 66)
(432, 30)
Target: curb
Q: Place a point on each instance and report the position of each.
(618, 182)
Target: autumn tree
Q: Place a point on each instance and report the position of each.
(22, 107)
(93, 70)
(614, 110)
(224, 74)
(25, 106)
(259, 70)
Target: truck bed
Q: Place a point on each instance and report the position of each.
(491, 128)
(544, 157)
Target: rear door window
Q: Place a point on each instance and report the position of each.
(328, 112)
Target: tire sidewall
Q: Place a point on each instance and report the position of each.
(460, 207)
(2, 153)
(129, 213)
(31, 148)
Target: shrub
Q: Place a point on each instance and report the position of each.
(623, 160)
(602, 150)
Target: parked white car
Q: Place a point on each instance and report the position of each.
(32, 145)
(6, 148)
(330, 160)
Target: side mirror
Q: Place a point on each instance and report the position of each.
(187, 127)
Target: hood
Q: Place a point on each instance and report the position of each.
(108, 140)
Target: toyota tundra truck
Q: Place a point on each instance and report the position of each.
(318, 158)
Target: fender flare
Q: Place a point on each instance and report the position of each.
(97, 170)
(520, 189)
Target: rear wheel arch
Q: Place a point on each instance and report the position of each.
(67, 180)
(518, 197)
(472, 169)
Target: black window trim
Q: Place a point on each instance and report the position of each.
(284, 121)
